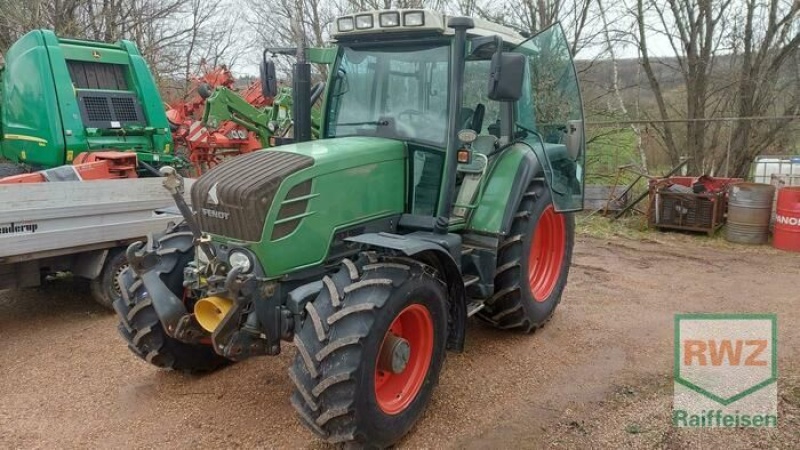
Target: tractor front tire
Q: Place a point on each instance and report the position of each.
(105, 288)
(532, 264)
(370, 351)
(142, 330)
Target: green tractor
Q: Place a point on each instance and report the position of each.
(451, 157)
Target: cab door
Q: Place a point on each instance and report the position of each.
(550, 116)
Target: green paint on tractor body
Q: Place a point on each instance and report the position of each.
(63, 97)
(353, 180)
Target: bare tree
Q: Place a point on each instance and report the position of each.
(173, 35)
(734, 60)
(615, 83)
(767, 52)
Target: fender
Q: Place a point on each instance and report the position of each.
(504, 186)
(431, 248)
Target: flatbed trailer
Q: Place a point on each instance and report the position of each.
(78, 227)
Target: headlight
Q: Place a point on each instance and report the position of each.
(240, 259)
(390, 19)
(364, 22)
(345, 24)
(414, 19)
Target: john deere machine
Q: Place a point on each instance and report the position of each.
(63, 97)
(451, 156)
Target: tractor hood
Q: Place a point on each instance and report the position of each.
(280, 188)
(331, 155)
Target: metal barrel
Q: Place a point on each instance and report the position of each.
(749, 212)
(787, 219)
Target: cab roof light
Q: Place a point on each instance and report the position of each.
(364, 22)
(345, 24)
(414, 19)
(389, 19)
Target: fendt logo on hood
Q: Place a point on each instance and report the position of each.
(213, 199)
(212, 195)
(215, 214)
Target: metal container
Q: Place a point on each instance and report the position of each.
(787, 220)
(749, 212)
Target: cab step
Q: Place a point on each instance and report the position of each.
(469, 280)
(474, 306)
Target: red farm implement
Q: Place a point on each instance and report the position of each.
(205, 145)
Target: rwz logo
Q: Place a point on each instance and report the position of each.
(727, 351)
(725, 370)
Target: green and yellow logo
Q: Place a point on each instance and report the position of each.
(725, 370)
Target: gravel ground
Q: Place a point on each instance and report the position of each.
(599, 375)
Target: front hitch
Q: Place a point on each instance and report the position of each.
(173, 183)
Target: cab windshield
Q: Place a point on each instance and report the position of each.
(398, 92)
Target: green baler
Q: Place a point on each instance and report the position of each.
(62, 97)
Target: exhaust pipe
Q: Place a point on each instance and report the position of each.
(210, 311)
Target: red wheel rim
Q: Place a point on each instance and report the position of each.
(394, 392)
(546, 254)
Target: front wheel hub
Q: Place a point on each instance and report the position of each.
(394, 354)
(404, 359)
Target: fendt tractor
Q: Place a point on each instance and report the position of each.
(451, 157)
(60, 98)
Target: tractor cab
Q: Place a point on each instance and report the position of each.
(402, 75)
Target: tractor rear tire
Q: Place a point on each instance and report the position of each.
(532, 264)
(105, 288)
(142, 330)
(369, 351)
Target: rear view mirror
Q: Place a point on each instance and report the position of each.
(269, 82)
(505, 77)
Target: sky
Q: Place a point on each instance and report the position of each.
(658, 46)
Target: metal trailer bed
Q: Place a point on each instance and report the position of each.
(73, 225)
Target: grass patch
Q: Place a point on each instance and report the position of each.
(596, 225)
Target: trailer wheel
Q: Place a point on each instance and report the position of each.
(532, 265)
(8, 169)
(105, 288)
(141, 329)
(369, 352)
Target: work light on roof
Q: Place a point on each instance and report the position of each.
(414, 19)
(345, 24)
(364, 22)
(390, 19)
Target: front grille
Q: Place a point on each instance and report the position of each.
(233, 199)
(290, 209)
(97, 109)
(124, 109)
(100, 109)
